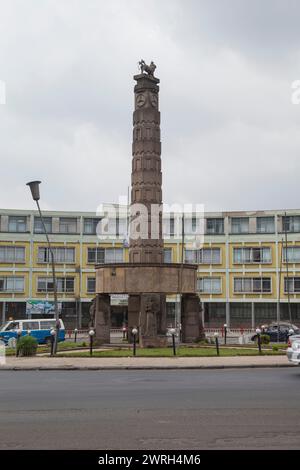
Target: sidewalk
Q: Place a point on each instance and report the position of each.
(96, 363)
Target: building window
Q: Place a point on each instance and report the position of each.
(194, 224)
(105, 255)
(167, 255)
(91, 284)
(252, 255)
(17, 224)
(240, 225)
(64, 284)
(172, 226)
(61, 255)
(90, 226)
(265, 225)
(214, 226)
(38, 225)
(12, 284)
(292, 285)
(291, 223)
(67, 225)
(291, 254)
(12, 254)
(252, 284)
(203, 256)
(209, 285)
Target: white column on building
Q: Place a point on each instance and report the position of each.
(253, 315)
(3, 312)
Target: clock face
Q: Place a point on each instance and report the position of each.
(140, 100)
(153, 100)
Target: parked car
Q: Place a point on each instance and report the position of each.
(293, 352)
(39, 329)
(292, 338)
(282, 334)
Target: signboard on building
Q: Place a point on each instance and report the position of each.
(119, 299)
(40, 307)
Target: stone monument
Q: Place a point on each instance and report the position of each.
(146, 278)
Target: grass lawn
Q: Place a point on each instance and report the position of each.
(43, 348)
(181, 352)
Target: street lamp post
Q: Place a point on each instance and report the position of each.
(52, 333)
(258, 332)
(134, 333)
(91, 333)
(35, 192)
(216, 335)
(75, 335)
(172, 332)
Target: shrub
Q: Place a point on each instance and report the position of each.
(203, 342)
(27, 346)
(275, 347)
(265, 339)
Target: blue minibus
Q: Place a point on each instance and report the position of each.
(39, 328)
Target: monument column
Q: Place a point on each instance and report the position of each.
(146, 311)
(146, 176)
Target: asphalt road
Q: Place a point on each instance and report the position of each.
(184, 409)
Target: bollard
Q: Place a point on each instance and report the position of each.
(225, 333)
(19, 334)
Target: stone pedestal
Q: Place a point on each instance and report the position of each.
(102, 319)
(191, 323)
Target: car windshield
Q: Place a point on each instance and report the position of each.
(10, 326)
(3, 326)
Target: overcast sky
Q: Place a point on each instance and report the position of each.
(230, 135)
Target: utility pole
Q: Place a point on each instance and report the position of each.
(287, 269)
(279, 287)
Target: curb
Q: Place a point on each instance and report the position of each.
(103, 368)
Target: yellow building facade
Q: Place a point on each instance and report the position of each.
(248, 265)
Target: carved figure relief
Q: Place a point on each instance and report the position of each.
(140, 100)
(153, 100)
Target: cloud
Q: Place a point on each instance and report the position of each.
(229, 131)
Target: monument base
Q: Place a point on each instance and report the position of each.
(102, 321)
(159, 341)
(191, 323)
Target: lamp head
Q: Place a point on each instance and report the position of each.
(35, 189)
(134, 331)
(216, 334)
(91, 332)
